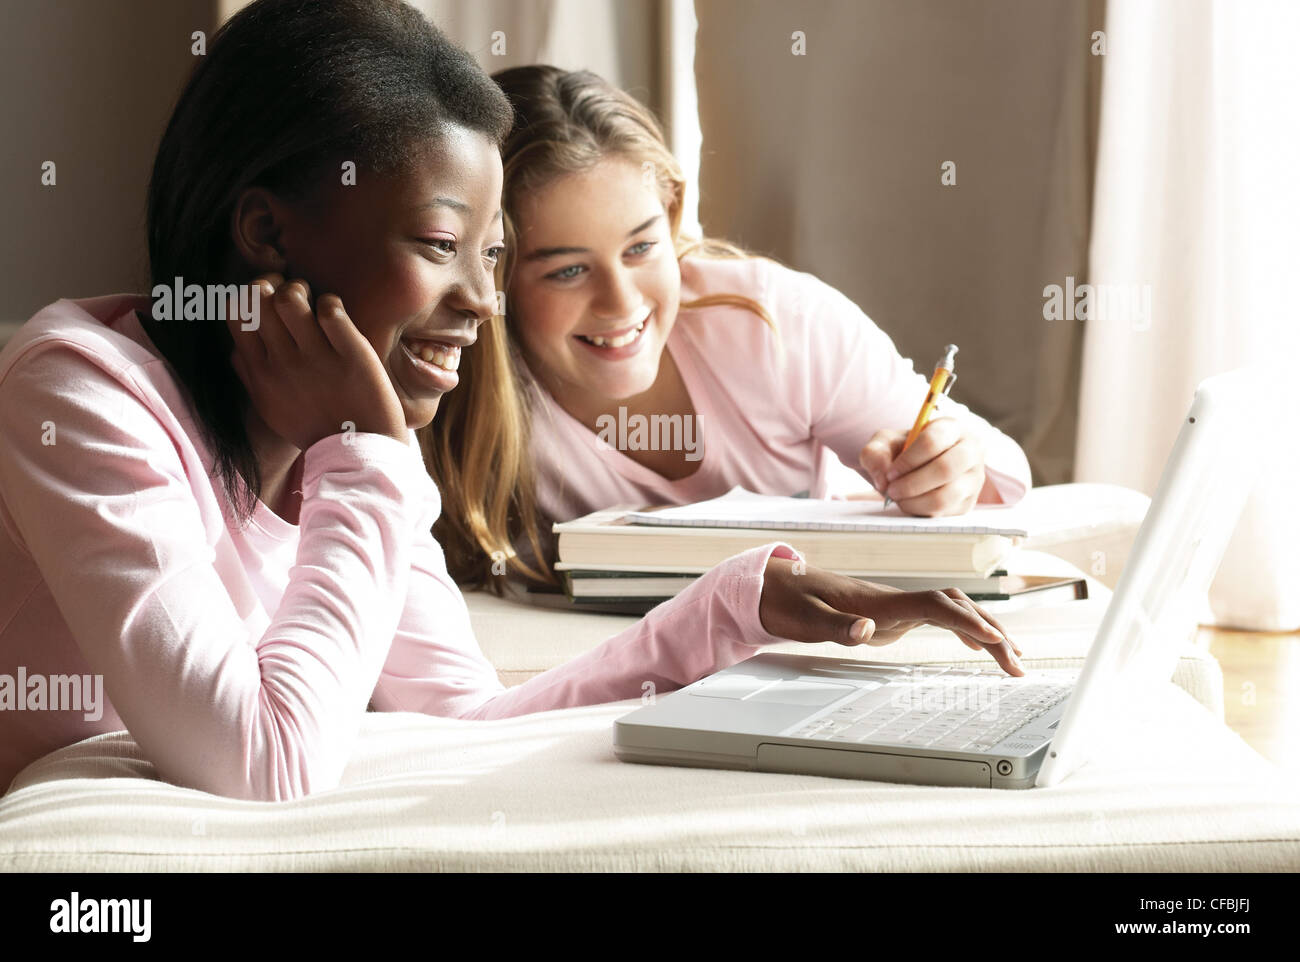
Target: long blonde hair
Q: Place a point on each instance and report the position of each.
(477, 447)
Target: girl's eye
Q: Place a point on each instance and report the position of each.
(567, 273)
(442, 245)
(641, 248)
(494, 254)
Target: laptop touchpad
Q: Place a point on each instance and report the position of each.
(791, 691)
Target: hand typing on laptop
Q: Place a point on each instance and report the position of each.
(809, 604)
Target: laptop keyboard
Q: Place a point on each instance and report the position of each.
(940, 707)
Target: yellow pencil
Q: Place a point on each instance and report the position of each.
(940, 384)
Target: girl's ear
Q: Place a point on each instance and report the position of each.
(256, 227)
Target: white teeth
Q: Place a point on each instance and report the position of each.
(621, 340)
(444, 356)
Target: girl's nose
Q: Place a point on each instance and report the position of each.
(478, 295)
(620, 298)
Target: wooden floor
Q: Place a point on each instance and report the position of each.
(1261, 690)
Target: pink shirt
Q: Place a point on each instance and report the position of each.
(242, 660)
(776, 425)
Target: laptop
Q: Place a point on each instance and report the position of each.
(978, 727)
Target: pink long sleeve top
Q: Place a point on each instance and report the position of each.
(242, 658)
(781, 414)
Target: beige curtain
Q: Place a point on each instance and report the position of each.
(644, 46)
(827, 126)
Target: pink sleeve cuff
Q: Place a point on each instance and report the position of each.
(405, 475)
(744, 591)
(1007, 469)
(1010, 489)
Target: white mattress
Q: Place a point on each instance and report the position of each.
(545, 792)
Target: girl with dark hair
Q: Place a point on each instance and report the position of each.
(228, 523)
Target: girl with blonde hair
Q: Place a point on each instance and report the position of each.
(615, 318)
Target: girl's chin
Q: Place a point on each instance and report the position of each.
(420, 414)
(620, 389)
(618, 382)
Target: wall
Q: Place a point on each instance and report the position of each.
(831, 162)
(89, 85)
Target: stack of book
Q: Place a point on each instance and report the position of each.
(630, 561)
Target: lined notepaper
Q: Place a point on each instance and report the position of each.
(739, 508)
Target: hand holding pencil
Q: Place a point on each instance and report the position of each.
(936, 468)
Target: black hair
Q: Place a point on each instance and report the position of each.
(286, 91)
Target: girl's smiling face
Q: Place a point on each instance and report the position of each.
(413, 258)
(595, 284)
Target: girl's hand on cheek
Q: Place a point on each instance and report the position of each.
(309, 373)
(942, 473)
(808, 604)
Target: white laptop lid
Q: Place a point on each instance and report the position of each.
(1154, 611)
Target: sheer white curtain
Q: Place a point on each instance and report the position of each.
(1197, 201)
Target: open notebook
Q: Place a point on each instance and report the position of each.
(739, 508)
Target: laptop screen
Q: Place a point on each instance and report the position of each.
(1162, 592)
